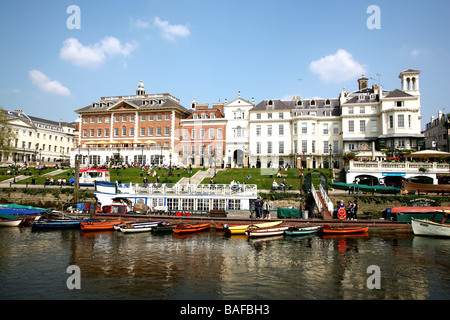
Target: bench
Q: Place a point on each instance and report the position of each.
(218, 213)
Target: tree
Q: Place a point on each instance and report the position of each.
(7, 134)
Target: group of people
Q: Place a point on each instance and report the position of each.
(262, 208)
(351, 209)
(282, 185)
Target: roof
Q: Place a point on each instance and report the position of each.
(398, 94)
(298, 105)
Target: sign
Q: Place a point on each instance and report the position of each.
(393, 174)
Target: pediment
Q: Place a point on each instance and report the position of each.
(123, 105)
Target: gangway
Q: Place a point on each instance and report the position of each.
(323, 203)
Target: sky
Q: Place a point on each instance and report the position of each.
(58, 56)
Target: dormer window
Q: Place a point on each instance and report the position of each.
(399, 103)
(195, 116)
(204, 116)
(361, 97)
(327, 102)
(270, 103)
(313, 102)
(299, 102)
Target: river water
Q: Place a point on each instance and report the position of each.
(212, 266)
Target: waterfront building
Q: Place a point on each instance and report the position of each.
(134, 129)
(238, 136)
(436, 133)
(38, 140)
(203, 136)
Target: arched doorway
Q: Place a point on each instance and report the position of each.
(317, 178)
(238, 158)
(258, 163)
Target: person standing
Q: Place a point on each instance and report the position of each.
(355, 209)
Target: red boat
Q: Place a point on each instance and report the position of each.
(99, 225)
(185, 228)
(344, 230)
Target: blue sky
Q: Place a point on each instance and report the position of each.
(211, 49)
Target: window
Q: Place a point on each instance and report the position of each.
(295, 146)
(409, 121)
(399, 103)
(84, 133)
(194, 134)
(99, 120)
(92, 120)
(124, 131)
(294, 129)
(192, 149)
(116, 118)
(158, 131)
(281, 147)
(185, 134)
(401, 121)
(116, 132)
(124, 118)
(219, 133)
(106, 119)
(313, 128)
(143, 118)
(166, 131)
(362, 125)
(335, 147)
(258, 147)
(99, 132)
(373, 126)
(158, 117)
(150, 131)
(167, 117)
(325, 128)
(258, 116)
(269, 146)
(202, 133)
(211, 133)
(304, 127)
(131, 118)
(131, 130)
(269, 130)
(335, 128)
(391, 122)
(325, 147)
(281, 129)
(185, 149)
(351, 126)
(362, 110)
(313, 146)
(258, 130)
(106, 132)
(350, 110)
(150, 118)
(280, 115)
(269, 116)
(91, 132)
(304, 146)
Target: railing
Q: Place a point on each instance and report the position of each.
(399, 166)
(316, 198)
(325, 198)
(190, 189)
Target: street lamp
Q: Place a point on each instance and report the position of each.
(301, 181)
(331, 169)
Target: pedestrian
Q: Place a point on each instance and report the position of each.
(349, 210)
(266, 208)
(355, 209)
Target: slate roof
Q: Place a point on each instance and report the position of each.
(297, 106)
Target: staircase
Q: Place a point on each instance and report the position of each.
(323, 203)
(198, 177)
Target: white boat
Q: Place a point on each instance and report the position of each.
(266, 232)
(139, 226)
(132, 229)
(430, 228)
(7, 220)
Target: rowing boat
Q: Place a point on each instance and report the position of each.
(344, 230)
(7, 220)
(139, 226)
(186, 228)
(432, 227)
(57, 224)
(240, 229)
(98, 225)
(413, 187)
(163, 229)
(265, 232)
(300, 231)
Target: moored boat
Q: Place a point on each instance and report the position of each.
(431, 227)
(300, 231)
(99, 225)
(163, 229)
(56, 224)
(255, 232)
(195, 227)
(413, 187)
(343, 230)
(404, 214)
(240, 229)
(7, 220)
(139, 226)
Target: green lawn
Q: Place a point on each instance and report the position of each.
(262, 178)
(125, 175)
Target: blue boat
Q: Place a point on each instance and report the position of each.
(57, 224)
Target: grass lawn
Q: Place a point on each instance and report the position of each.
(125, 175)
(261, 177)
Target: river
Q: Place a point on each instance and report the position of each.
(212, 266)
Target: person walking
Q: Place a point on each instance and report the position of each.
(355, 209)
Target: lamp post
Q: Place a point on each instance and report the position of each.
(331, 169)
(301, 182)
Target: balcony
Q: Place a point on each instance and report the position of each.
(384, 166)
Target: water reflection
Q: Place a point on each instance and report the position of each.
(210, 265)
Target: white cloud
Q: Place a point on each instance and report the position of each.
(170, 31)
(337, 68)
(94, 55)
(44, 83)
(415, 52)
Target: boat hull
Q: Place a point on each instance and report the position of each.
(430, 228)
(56, 224)
(241, 229)
(10, 223)
(99, 225)
(345, 230)
(266, 232)
(302, 231)
(135, 230)
(413, 187)
(192, 228)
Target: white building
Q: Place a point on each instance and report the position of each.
(38, 140)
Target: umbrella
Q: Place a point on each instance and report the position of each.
(428, 154)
